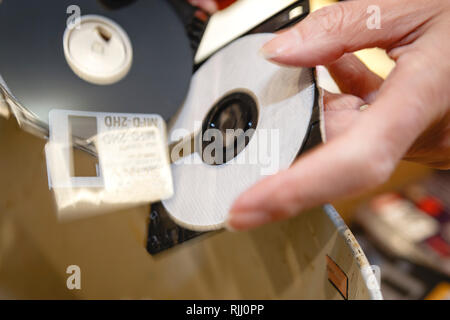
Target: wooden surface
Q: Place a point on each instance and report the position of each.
(284, 260)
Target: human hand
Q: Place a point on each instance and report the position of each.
(408, 115)
(211, 6)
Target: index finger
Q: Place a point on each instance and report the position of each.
(328, 33)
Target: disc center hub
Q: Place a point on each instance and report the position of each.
(98, 50)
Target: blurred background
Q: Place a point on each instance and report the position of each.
(403, 226)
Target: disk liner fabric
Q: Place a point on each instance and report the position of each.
(285, 98)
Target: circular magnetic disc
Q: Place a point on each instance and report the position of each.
(35, 68)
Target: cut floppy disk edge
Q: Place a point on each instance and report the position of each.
(282, 105)
(279, 104)
(133, 165)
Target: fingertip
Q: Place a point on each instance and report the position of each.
(281, 48)
(278, 47)
(290, 49)
(245, 220)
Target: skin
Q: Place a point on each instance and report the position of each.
(209, 6)
(408, 115)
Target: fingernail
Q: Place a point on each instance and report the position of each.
(208, 5)
(246, 220)
(281, 45)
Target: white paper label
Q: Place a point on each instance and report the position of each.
(133, 158)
